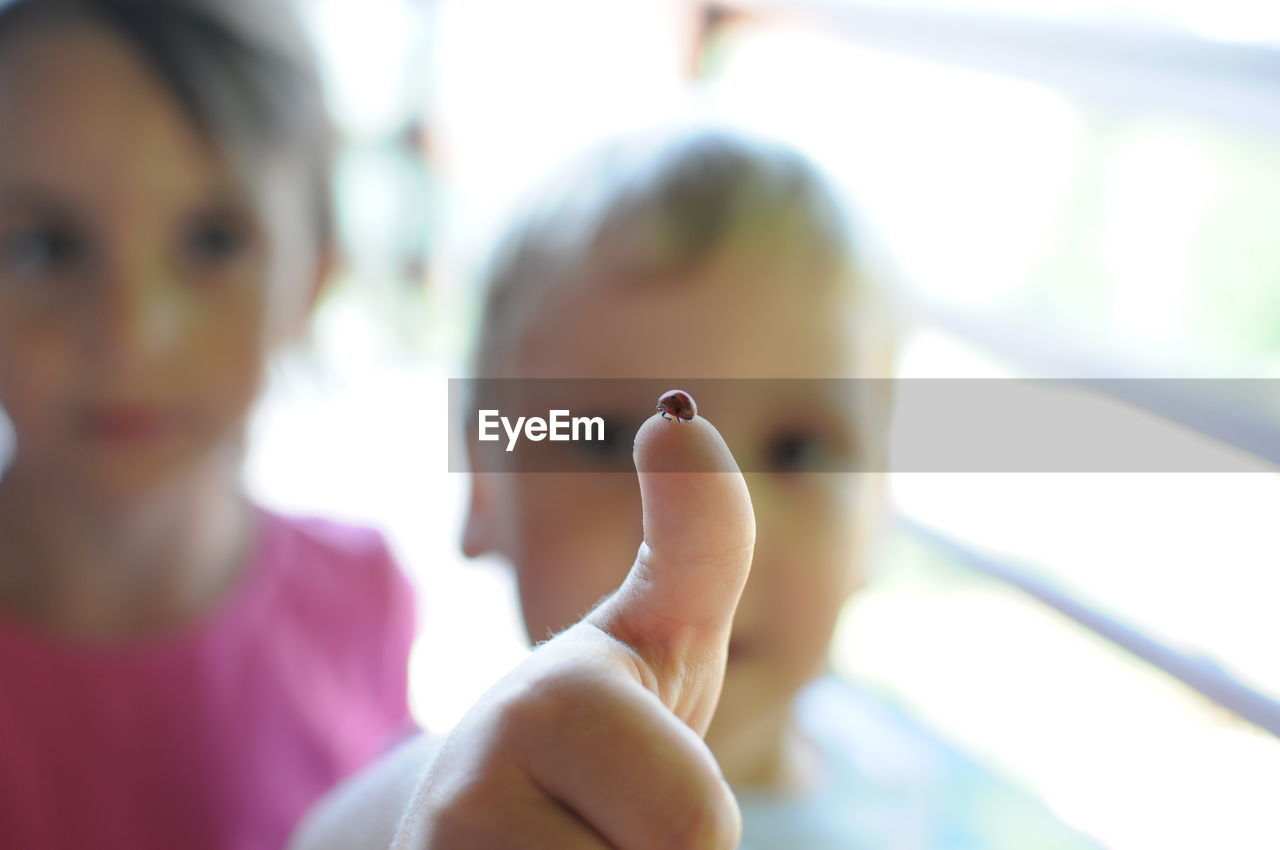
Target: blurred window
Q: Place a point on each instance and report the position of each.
(1067, 189)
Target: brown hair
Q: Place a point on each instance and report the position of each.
(240, 70)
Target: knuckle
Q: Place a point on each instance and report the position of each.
(550, 700)
(714, 826)
(458, 818)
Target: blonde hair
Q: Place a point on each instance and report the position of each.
(666, 200)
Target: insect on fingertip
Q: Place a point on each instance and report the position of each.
(677, 405)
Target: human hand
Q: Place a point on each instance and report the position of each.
(594, 741)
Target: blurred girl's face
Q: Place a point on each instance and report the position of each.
(135, 274)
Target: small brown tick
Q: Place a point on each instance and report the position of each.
(678, 404)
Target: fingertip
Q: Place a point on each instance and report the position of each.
(677, 445)
(688, 514)
(676, 606)
(699, 528)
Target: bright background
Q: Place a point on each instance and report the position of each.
(1064, 188)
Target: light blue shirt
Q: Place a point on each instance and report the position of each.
(887, 783)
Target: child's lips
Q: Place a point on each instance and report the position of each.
(128, 422)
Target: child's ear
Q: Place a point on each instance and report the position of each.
(478, 533)
(295, 314)
(321, 276)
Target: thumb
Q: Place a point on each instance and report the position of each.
(676, 607)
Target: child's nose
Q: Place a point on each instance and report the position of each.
(137, 323)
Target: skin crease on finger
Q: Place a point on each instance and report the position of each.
(512, 768)
(757, 311)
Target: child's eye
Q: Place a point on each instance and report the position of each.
(215, 242)
(800, 451)
(40, 251)
(614, 451)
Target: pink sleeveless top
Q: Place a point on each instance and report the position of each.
(222, 734)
